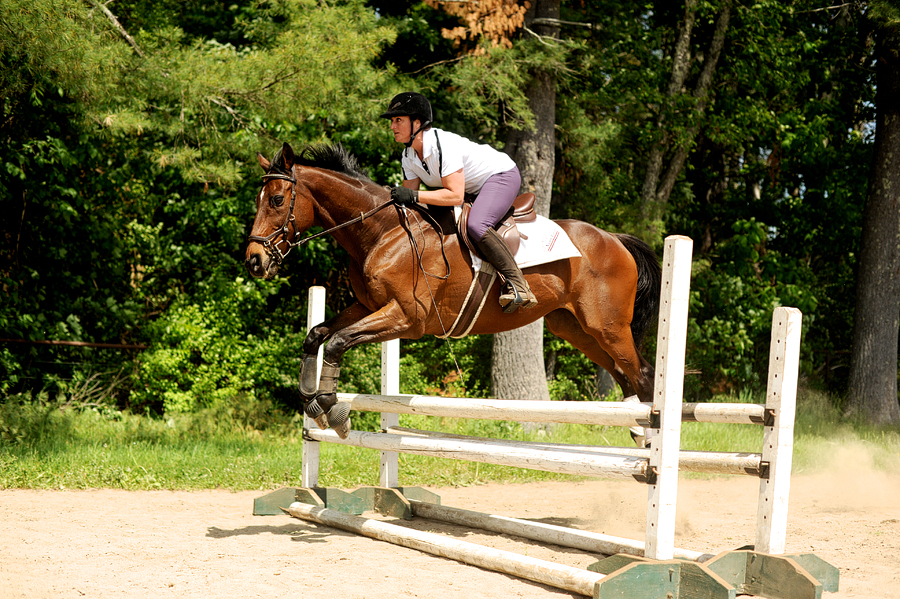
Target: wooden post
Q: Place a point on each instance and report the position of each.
(315, 314)
(778, 439)
(390, 385)
(667, 397)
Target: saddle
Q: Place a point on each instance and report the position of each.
(522, 211)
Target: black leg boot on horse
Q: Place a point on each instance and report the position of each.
(516, 293)
(321, 401)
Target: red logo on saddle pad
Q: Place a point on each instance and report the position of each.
(549, 243)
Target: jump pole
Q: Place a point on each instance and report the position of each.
(560, 459)
(576, 580)
(611, 413)
(709, 462)
(674, 578)
(591, 542)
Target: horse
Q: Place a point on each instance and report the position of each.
(411, 280)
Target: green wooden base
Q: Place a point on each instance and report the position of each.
(740, 572)
(821, 570)
(274, 503)
(391, 502)
(775, 576)
(629, 576)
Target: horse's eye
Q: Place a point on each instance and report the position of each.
(276, 201)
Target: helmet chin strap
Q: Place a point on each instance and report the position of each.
(412, 137)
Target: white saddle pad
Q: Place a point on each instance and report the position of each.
(542, 241)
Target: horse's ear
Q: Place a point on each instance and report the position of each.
(288, 153)
(263, 162)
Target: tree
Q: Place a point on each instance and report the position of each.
(518, 370)
(873, 367)
(131, 176)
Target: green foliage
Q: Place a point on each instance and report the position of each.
(55, 52)
(127, 182)
(207, 353)
(571, 376)
(27, 422)
(432, 366)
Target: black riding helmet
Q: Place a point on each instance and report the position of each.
(413, 105)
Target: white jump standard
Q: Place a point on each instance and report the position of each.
(636, 569)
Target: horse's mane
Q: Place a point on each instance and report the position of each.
(332, 157)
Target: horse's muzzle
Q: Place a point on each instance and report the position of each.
(256, 264)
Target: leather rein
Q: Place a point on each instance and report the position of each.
(271, 243)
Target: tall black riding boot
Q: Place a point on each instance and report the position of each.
(516, 294)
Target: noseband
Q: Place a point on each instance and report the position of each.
(273, 249)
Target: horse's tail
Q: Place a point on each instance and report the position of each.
(646, 299)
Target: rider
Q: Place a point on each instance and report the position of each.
(455, 166)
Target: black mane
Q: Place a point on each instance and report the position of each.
(332, 157)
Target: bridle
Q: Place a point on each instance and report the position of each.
(273, 249)
(272, 243)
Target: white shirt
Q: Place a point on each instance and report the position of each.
(478, 161)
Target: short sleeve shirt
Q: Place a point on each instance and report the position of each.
(478, 161)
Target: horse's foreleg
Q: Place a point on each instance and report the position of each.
(309, 385)
(324, 408)
(309, 379)
(388, 323)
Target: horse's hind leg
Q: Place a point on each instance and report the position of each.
(635, 375)
(612, 349)
(565, 326)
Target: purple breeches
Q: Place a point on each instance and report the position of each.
(493, 202)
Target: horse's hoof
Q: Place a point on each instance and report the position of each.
(339, 419)
(342, 429)
(639, 440)
(315, 411)
(326, 410)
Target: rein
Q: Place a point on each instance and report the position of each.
(274, 249)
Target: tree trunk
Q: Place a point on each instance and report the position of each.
(517, 369)
(873, 365)
(655, 192)
(681, 60)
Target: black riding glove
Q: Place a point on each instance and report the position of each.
(404, 195)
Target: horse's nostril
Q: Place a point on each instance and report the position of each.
(253, 263)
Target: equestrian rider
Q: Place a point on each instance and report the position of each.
(454, 166)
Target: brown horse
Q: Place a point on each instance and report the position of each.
(601, 302)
